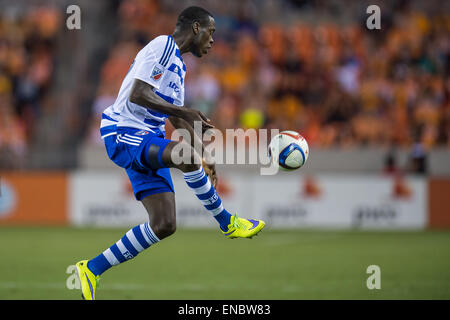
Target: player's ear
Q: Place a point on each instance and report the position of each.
(196, 27)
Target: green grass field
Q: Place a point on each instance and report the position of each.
(201, 264)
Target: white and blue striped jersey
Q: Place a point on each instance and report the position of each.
(159, 64)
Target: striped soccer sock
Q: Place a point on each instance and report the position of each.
(198, 181)
(134, 241)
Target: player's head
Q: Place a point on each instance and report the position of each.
(200, 24)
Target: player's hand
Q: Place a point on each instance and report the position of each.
(209, 166)
(193, 115)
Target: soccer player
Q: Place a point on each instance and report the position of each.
(134, 136)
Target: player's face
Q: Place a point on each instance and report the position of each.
(204, 38)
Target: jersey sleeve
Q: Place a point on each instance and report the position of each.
(152, 67)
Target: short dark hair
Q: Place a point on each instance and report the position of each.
(191, 14)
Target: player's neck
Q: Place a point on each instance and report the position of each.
(182, 41)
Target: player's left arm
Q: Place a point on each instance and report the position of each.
(208, 162)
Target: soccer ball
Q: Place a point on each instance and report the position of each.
(288, 150)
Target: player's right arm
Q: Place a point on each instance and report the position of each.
(150, 69)
(142, 94)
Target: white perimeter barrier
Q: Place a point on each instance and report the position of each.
(286, 200)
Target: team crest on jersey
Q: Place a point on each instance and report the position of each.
(157, 73)
(142, 133)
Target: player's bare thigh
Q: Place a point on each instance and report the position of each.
(162, 214)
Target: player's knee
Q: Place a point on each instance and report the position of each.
(182, 156)
(165, 228)
(189, 167)
(191, 161)
(161, 213)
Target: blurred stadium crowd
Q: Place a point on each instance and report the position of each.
(340, 84)
(27, 42)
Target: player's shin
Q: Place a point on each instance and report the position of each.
(130, 245)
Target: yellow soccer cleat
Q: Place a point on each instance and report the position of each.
(88, 280)
(243, 228)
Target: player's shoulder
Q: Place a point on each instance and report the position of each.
(160, 40)
(161, 48)
(159, 44)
